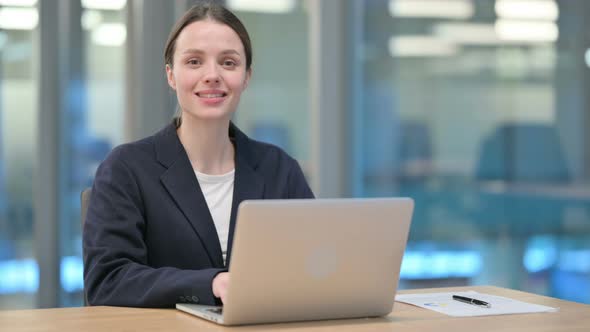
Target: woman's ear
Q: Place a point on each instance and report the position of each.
(170, 77)
(247, 79)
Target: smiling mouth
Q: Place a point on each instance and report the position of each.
(211, 95)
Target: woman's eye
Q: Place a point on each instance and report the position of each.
(229, 63)
(194, 62)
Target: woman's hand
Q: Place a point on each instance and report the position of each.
(219, 285)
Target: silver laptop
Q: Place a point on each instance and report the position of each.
(297, 260)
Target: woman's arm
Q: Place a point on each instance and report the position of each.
(116, 270)
(298, 187)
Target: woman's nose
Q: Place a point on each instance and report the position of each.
(212, 74)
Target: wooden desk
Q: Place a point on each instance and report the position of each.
(571, 317)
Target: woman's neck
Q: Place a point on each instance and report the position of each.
(207, 145)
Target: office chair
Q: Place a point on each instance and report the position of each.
(84, 201)
(530, 153)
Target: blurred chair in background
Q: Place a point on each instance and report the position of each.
(84, 201)
(529, 153)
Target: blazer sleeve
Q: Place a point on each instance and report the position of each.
(116, 270)
(298, 187)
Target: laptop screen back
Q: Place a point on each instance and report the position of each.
(316, 259)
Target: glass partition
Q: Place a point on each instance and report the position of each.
(94, 122)
(477, 110)
(18, 136)
(275, 106)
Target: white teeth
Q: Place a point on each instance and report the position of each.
(211, 95)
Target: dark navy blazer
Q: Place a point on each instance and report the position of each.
(149, 239)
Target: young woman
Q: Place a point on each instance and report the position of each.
(163, 209)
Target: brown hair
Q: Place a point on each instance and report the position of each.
(208, 10)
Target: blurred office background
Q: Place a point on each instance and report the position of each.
(475, 108)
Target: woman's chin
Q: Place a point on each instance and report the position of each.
(209, 115)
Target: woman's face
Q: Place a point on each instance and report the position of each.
(209, 70)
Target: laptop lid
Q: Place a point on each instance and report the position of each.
(295, 260)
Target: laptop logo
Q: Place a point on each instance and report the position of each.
(322, 262)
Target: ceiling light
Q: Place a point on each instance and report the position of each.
(104, 4)
(91, 19)
(526, 31)
(420, 46)
(262, 6)
(467, 33)
(12, 18)
(109, 34)
(18, 3)
(527, 9)
(458, 9)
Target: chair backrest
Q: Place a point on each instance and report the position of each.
(84, 201)
(523, 153)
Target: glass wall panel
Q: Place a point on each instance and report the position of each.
(18, 127)
(477, 109)
(93, 120)
(275, 106)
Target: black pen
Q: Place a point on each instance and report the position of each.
(469, 300)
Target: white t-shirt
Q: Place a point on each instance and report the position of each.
(219, 191)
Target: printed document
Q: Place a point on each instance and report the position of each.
(444, 303)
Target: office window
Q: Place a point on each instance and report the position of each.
(275, 106)
(18, 128)
(477, 110)
(95, 126)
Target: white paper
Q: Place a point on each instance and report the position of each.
(444, 303)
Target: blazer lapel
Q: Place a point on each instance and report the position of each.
(181, 183)
(248, 184)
